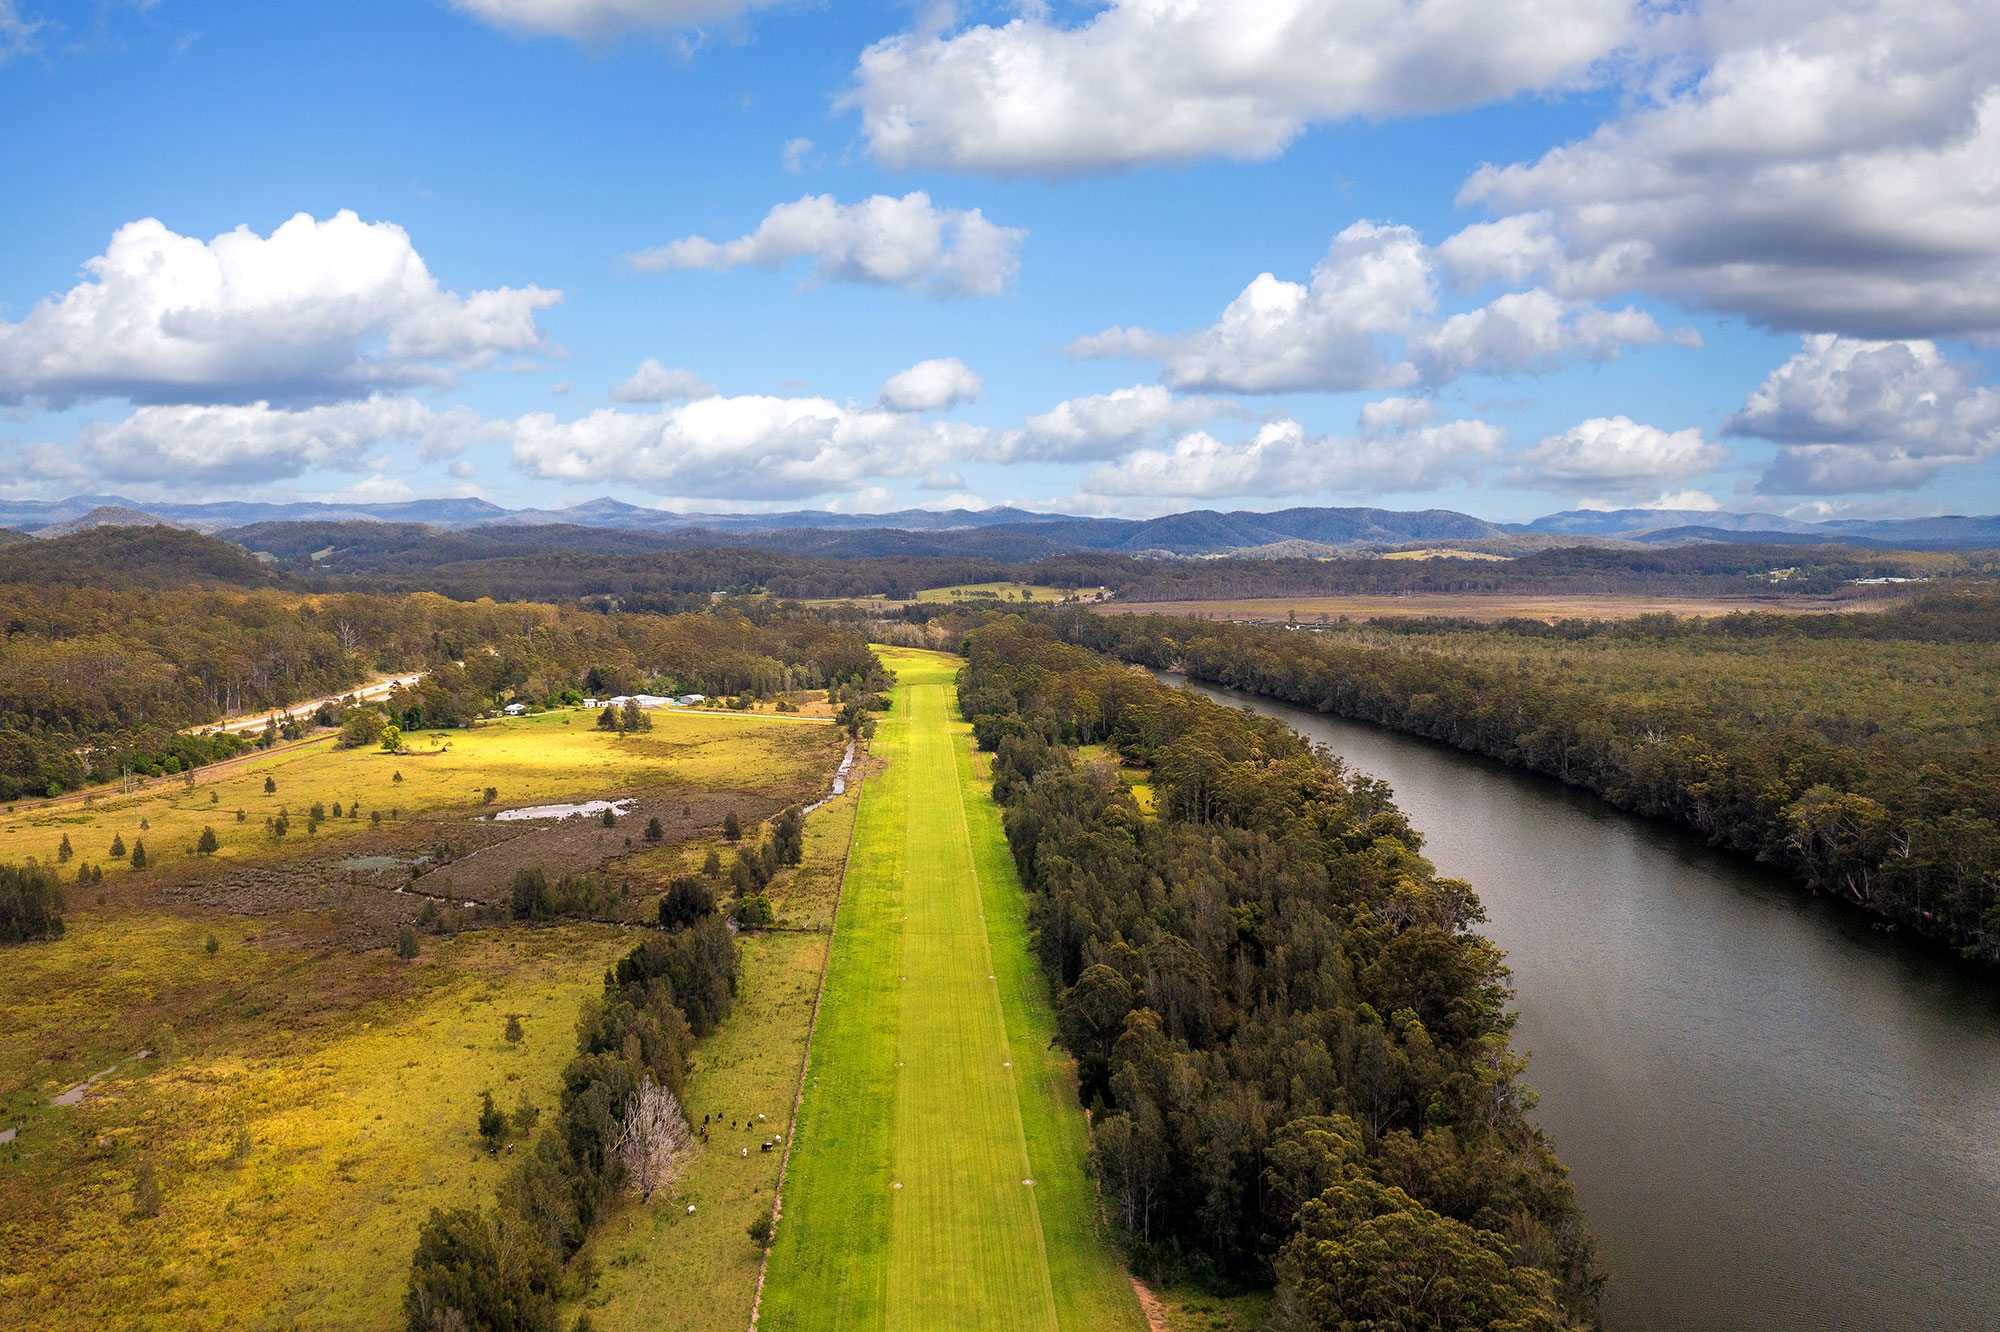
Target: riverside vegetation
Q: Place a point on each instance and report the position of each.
(1294, 1042)
(1859, 752)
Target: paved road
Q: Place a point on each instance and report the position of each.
(375, 689)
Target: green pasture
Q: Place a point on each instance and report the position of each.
(937, 1181)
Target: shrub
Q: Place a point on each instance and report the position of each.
(214, 945)
(754, 910)
(654, 832)
(206, 844)
(732, 827)
(687, 900)
(711, 864)
(760, 1230)
(492, 1124)
(31, 903)
(610, 818)
(145, 1191)
(406, 943)
(513, 1032)
(361, 727)
(270, 786)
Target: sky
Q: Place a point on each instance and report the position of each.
(1507, 257)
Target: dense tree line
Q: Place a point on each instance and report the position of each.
(1295, 1044)
(1860, 752)
(501, 1268)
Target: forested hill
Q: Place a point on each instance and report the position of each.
(1293, 1038)
(132, 557)
(1859, 752)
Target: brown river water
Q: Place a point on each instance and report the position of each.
(1777, 1118)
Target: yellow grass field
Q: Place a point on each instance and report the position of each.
(1308, 610)
(1004, 591)
(556, 756)
(307, 1098)
(354, 1078)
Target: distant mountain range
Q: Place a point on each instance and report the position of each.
(921, 531)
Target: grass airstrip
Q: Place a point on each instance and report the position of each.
(937, 1181)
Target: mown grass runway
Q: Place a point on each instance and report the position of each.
(933, 1098)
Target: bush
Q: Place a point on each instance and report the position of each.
(206, 844)
(270, 786)
(472, 1271)
(754, 910)
(732, 827)
(145, 1191)
(31, 903)
(214, 945)
(407, 947)
(361, 728)
(654, 832)
(687, 900)
(610, 818)
(513, 1031)
(760, 1230)
(711, 865)
(492, 1123)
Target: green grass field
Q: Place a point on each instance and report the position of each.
(937, 1181)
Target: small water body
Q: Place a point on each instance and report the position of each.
(559, 812)
(1778, 1119)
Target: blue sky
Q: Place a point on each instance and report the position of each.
(1524, 255)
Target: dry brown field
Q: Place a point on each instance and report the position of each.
(1309, 610)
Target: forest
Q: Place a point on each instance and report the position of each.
(1293, 1039)
(1860, 753)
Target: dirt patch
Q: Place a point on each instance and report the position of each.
(1156, 1313)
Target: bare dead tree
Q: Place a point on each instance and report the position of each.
(656, 1135)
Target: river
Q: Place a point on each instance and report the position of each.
(1777, 1119)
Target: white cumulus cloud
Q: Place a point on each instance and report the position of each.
(1366, 321)
(653, 382)
(244, 444)
(1817, 168)
(1150, 81)
(1105, 425)
(1283, 459)
(315, 311)
(1615, 456)
(908, 243)
(1854, 415)
(745, 448)
(931, 386)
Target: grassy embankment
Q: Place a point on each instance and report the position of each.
(938, 1180)
(320, 1099)
(662, 1269)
